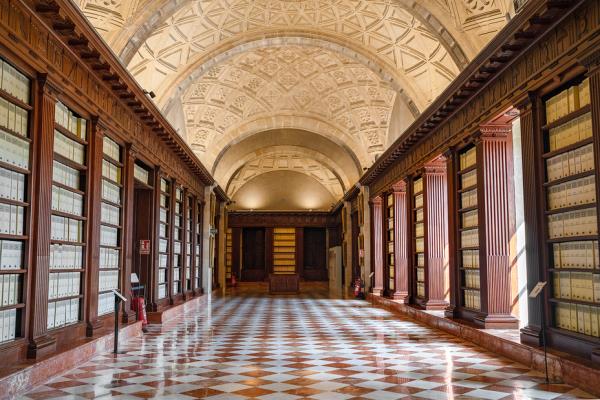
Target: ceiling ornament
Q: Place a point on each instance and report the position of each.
(309, 83)
(285, 161)
(380, 27)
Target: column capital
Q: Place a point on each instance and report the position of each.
(399, 187)
(377, 200)
(448, 153)
(525, 104)
(435, 166)
(48, 88)
(493, 132)
(131, 150)
(99, 128)
(591, 62)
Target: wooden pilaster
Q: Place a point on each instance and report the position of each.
(40, 343)
(128, 246)
(532, 178)
(453, 233)
(94, 201)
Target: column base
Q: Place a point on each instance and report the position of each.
(492, 321)
(128, 316)
(377, 292)
(41, 347)
(596, 355)
(401, 297)
(450, 311)
(92, 326)
(532, 336)
(435, 305)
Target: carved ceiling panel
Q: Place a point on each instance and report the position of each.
(296, 81)
(227, 70)
(286, 161)
(379, 27)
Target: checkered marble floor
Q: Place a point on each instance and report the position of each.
(310, 346)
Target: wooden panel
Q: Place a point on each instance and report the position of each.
(284, 283)
(315, 255)
(253, 255)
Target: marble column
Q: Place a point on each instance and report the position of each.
(494, 225)
(401, 242)
(377, 204)
(436, 234)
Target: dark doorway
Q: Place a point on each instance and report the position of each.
(253, 255)
(354, 243)
(315, 255)
(143, 224)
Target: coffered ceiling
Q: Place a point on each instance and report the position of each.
(351, 72)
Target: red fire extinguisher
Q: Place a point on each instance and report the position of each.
(138, 304)
(358, 286)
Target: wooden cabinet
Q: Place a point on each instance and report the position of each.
(164, 234)
(566, 150)
(69, 216)
(390, 261)
(178, 243)
(111, 228)
(419, 239)
(468, 228)
(15, 181)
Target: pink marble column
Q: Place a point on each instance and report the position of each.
(436, 234)
(401, 261)
(492, 157)
(377, 203)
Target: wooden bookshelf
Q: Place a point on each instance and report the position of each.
(164, 233)
(68, 241)
(468, 241)
(189, 232)
(198, 245)
(228, 254)
(419, 260)
(390, 284)
(178, 232)
(284, 251)
(15, 179)
(570, 217)
(111, 227)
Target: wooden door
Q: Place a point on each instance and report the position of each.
(253, 255)
(315, 255)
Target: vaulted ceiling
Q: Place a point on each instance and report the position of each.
(280, 93)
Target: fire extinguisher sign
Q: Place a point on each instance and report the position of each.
(145, 246)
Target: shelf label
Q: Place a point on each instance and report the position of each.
(535, 292)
